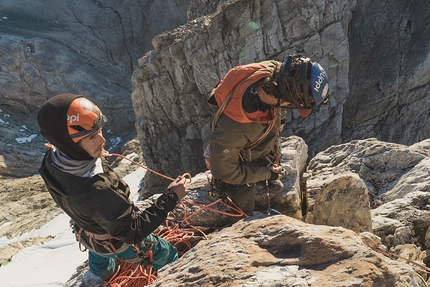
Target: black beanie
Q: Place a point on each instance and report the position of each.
(52, 120)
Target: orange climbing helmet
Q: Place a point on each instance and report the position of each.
(83, 119)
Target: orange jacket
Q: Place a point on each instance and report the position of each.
(237, 80)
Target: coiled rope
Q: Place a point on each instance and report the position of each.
(131, 275)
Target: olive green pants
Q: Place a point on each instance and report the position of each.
(242, 195)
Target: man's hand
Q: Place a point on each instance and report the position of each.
(105, 154)
(277, 169)
(178, 187)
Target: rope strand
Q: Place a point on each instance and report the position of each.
(150, 170)
(375, 246)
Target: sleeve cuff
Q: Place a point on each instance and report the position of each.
(273, 175)
(173, 194)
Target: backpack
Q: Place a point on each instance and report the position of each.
(237, 80)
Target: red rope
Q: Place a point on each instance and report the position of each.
(131, 275)
(177, 237)
(148, 169)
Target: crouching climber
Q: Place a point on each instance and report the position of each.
(250, 103)
(85, 187)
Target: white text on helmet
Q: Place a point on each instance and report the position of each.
(73, 118)
(319, 80)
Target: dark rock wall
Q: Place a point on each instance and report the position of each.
(389, 72)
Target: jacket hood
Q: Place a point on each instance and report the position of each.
(52, 120)
(63, 183)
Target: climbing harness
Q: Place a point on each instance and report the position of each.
(143, 249)
(92, 241)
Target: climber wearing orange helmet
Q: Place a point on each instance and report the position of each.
(95, 197)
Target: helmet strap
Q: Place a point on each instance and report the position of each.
(291, 92)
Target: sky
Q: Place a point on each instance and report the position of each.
(53, 263)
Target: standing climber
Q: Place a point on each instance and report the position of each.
(85, 187)
(251, 102)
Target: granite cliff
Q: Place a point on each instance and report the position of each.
(376, 56)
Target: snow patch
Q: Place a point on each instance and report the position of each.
(26, 139)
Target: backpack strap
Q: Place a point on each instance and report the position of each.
(255, 143)
(249, 145)
(220, 110)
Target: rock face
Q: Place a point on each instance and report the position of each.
(378, 87)
(24, 208)
(89, 48)
(394, 180)
(281, 251)
(389, 73)
(343, 202)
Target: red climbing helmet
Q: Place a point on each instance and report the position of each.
(303, 83)
(83, 119)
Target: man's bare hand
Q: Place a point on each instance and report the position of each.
(275, 168)
(178, 186)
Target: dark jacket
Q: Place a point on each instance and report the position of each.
(101, 204)
(227, 145)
